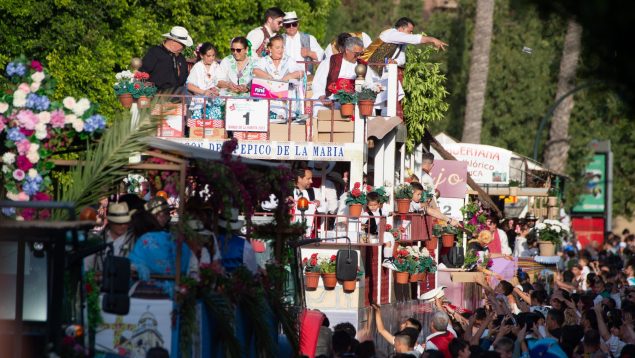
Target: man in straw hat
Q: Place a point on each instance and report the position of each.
(116, 232)
(159, 207)
(299, 45)
(234, 249)
(165, 63)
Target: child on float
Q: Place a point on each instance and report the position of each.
(421, 204)
(370, 220)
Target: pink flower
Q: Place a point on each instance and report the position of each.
(36, 65)
(27, 132)
(57, 119)
(24, 163)
(40, 196)
(2, 125)
(45, 214)
(28, 214)
(24, 87)
(27, 119)
(18, 174)
(23, 146)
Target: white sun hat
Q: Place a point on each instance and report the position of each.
(290, 17)
(432, 294)
(180, 35)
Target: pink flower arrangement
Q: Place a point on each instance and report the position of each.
(32, 128)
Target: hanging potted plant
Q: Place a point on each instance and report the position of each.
(550, 234)
(403, 196)
(327, 269)
(311, 272)
(366, 99)
(350, 285)
(123, 88)
(405, 264)
(356, 199)
(345, 94)
(446, 232)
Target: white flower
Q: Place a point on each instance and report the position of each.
(8, 158)
(32, 173)
(3, 107)
(425, 252)
(124, 76)
(45, 117)
(69, 102)
(35, 86)
(37, 77)
(19, 98)
(78, 125)
(34, 147)
(81, 106)
(70, 118)
(41, 134)
(541, 226)
(33, 157)
(556, 228)
(6, 169)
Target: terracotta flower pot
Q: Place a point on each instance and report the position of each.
(126, 100)
(355, 210)
(431, 243)
(329, 280)
(349, 286)
(366, 107)
(143, 102)
(447, 240)
(311, 280)
(423, 276)
(414, 277)
(547, 248)
(347, 109)
(403, 206)
(401, 277)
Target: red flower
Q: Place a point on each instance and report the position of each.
(305, 261)
(36, 66)
(39, 196)
(369, 188)
(141, 75)
(356, 192)
(313, 261)
(23, 163)
(357, 185)
(137, 86)
(388, 227)
(45, 214)
(333, 258)
(314, 256)
(28, 214)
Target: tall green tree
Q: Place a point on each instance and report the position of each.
(479, 68)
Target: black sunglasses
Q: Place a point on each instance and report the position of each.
(293, 24)
(237, 50)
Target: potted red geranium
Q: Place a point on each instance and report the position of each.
(355, 200)
(344, 92)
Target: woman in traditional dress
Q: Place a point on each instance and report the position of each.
(236, 69)
(280, 67)
(202, 83)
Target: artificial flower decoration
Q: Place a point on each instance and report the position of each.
(33, 128)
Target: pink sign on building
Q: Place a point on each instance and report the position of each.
(450, 178)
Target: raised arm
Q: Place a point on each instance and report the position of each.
(380, 326)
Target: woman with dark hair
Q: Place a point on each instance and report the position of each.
(236, 69)
(202, 82)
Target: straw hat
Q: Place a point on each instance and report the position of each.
(118, 213)
(484, 238)
(232, 223)
(290, 17)
(180, 35)
(156, 205)
(432, 294)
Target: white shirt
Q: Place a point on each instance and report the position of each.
(505, 250)
(286, 65)
(521, 249)
(256, 37)
(393, 36)
(293, 47)
(202, 77)
(327, 194)
(347, 71)
(328, 52)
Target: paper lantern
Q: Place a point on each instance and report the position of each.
(303, 204)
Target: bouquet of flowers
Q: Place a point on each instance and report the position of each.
(310, 264)
(552, 231)
(357, 195)
(369, 92)
(475, 217)
(33, 128)
(344, 91)
(328, 265)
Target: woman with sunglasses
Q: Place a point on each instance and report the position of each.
(280, 67)
(235, 74)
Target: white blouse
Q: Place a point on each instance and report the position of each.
(202, 77)
(286, 66)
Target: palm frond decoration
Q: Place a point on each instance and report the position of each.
(105, 163)
(221, 312)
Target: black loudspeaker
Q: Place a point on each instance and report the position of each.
(346, 265)
(116, 284)
(116, 275)
(117, 303)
